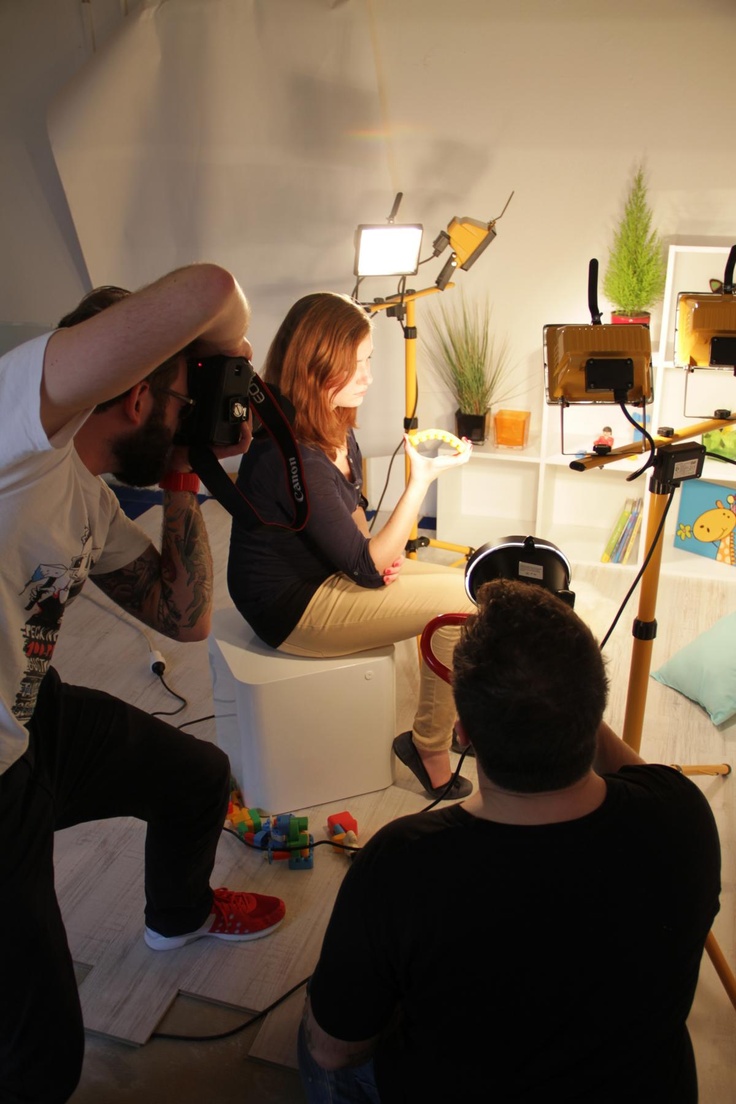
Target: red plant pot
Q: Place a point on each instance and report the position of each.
(622, 318)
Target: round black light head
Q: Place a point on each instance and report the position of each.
(528, 559)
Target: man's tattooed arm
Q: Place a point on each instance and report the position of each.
(170, 591)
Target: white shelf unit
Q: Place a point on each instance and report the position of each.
(501, 492)
(494, 495)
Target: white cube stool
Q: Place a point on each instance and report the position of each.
(300, 731)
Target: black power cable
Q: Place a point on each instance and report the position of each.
(233, 1030)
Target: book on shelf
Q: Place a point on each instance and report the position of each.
(628, 537)
(616, 532)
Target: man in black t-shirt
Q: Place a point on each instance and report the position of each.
(542, 940)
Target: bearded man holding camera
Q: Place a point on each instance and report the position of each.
(103, 393)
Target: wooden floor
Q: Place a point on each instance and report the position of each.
(127, 989)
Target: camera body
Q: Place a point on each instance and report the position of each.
(220, 386)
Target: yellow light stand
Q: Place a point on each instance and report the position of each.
(644, 631)
(406, 302)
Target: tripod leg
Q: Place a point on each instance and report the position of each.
(644, 631)
(704, 768)
(645, 628)
(724, 971)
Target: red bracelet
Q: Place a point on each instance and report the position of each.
(180, 481)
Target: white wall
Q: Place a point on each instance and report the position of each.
(265, 130)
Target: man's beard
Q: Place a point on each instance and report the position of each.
(143, 457)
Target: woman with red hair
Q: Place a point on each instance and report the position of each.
(334, 588)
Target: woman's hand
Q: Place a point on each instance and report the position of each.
(425, 469)
(388, 544)
(391, 573)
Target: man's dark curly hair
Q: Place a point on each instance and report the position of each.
(530, 687)
(100, 299)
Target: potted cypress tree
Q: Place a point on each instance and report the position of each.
(473, 363)
(635, 275)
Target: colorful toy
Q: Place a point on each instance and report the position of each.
(343, 831)
(291, 840)
(285, 837)
(417, 436)
(240, 819)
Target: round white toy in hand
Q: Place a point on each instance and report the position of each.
(417, 436)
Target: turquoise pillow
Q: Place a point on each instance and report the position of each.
(705, 670)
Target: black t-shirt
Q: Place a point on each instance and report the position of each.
(274, 571)
(529, 964)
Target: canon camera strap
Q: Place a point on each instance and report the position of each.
(217, 481)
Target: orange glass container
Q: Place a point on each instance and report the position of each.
(511, 428)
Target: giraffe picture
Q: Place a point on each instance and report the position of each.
(706, 522)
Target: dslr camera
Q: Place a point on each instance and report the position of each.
(222, 388)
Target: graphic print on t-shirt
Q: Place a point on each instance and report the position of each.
(47, 593)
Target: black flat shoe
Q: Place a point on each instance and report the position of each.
(405, 750)
(455, 746)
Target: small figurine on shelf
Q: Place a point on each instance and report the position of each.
(603, 444)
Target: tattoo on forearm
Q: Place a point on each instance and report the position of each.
(185, 550)
(131, 586)
(170, 591)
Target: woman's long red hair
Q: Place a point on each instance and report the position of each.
(313, 355)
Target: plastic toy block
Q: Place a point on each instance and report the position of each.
(283, 838)
(302, 862)
(289, 829)
(303, 859)
(255, 817)
(278, 856)
(344, 820)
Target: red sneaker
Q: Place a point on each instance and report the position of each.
(234, 916)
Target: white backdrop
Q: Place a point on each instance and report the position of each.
(258, 133)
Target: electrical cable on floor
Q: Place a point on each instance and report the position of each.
(233, 1030)
(259, 1015)
(288, 846)
(158, 663)
(455, 774)
(168, 712)
(199, 720)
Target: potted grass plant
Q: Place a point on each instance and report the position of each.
(635, 274)
(473, 363)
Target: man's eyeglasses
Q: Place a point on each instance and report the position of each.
(188, 402)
